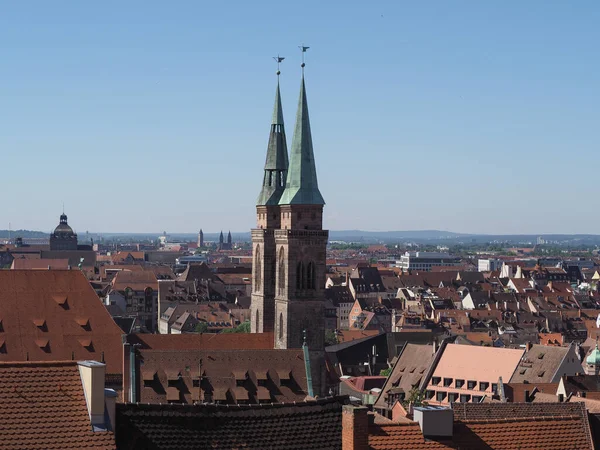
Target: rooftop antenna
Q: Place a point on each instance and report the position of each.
(303, 48)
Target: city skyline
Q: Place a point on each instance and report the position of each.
(129, 122)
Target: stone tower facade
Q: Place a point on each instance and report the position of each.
(200, 239)
(63, 237)
(268, 220)
(301, 246)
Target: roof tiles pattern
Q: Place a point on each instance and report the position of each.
(302, 426)
(43, 407)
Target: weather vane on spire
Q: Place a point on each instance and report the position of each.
(303, 49)
(279, 60)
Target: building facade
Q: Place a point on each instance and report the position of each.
(424, 261)
(63, 238)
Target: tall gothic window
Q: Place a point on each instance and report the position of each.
(281, 271)
(256, 320)
(257, 269)
(300, 281)
(280, 325)
(310, 276)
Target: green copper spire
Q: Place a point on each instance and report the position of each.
(302, 187)
(276, 164)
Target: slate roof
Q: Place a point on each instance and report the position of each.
(302, 426)
(58, 307)
(44, 407)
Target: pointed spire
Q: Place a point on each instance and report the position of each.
(276, 163)
(302, 186)
(221, 237)
(229, 237)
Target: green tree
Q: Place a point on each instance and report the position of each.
(385, 372)
(241, 328)
(330, 337)
(201, 327)
(416, 397)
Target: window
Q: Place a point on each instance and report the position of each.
(280, 325)
(310, 276)
(281, 271)
(477, 398)
(494, 387)
(440, 396)
(471, 384)
(483, 385)
(464, 398)
(452, 397)
(459, 383)
(429, 394)
(435, 380)
(256, 322)
(300, 276)
(447, 382)
(257, 269)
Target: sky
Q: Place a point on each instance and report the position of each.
(144, 116)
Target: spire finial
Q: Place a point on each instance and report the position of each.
(279, 60)
(303, 48)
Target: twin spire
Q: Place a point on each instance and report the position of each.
(294, 182)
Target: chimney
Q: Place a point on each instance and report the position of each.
(435, 421)
(92, 378)
(355, 428)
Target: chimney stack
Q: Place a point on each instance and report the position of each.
(355, 428)
(92, 377)
(435, 421)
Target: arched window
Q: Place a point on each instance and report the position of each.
(281, 271)
(280, 325)
(256, 320)
(310, 276)
(300, 276)
(257, 268)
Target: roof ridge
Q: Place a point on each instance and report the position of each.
(37, 363)
(520, 419)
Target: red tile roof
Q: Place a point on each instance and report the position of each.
(39, 264)
(43, 406)
(536, 433)
(204, 341)
(62, 299)
(138, 281)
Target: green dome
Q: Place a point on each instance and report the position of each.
(594, 357)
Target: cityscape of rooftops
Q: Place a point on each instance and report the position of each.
(352, 226)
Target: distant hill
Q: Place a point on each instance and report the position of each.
(22, 233)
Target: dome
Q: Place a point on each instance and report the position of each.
(594, 358)
(63, 228)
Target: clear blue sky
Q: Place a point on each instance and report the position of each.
(468, 116)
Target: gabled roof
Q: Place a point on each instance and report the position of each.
(44, 406)
(307, 425)
(62, 299)
(540, 364)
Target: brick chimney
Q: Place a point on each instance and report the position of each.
(355, 428)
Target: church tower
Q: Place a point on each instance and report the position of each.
(301, 246)
(268, 219)
(200, 239)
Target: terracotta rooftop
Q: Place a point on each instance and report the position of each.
(44, 407)
(303, 426)
(46, 315)
(518, 426)
(204, 341)
(39, 264)
(138, 280)
(227, 376)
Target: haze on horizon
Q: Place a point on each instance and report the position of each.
(472, 117)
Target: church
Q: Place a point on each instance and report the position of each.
(289, 243)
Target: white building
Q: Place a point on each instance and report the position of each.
(488, 265)
(424, 261)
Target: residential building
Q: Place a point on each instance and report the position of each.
(424, 261)
(136, 293)
(489, 265)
